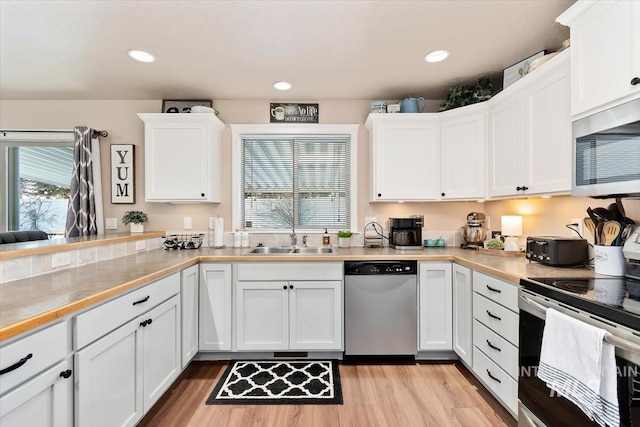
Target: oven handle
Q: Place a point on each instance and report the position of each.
(608, 337)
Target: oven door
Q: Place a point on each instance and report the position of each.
(538, 405)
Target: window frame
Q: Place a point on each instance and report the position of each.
(238, 131)
(18, 138)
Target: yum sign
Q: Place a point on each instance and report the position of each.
(122, 190)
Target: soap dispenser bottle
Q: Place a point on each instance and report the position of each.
(326, 239)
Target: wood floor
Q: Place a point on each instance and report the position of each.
(403, 395)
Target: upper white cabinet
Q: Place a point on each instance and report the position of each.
(463, 135)
(435, 324)
(405, 157)
(530, 134)
(182, 157)
(605, 54)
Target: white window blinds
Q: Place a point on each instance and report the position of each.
(295, 181)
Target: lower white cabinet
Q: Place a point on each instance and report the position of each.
(435, 298)
(215, 307)
(189, 284)
(462, 313)
(120, 376)
(44, 401)
(289, 315)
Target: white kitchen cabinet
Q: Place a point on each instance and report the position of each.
(462, 313)
(120, 376)
(44, 401)
(435, 299)
(289, 306)
(405, 157)
(530, 134)
(182, 157)
(463, 135)
(215, 307)
(189, 284)
(605, 54)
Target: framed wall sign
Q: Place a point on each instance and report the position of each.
(122, 174)
(293, 113)
(183, 106)
(517, 71)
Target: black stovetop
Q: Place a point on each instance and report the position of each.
(614, 298)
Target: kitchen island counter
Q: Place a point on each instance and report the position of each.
(30, 303)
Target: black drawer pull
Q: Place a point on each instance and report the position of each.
(635, 81)
(494, 289)
(493, 315)
(493, 346)
(140, 301)
(492, 377)
(143, 323)
(66, 374)
(17, 364)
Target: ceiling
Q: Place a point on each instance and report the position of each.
(236, 49)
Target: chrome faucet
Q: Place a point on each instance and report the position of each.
(294, 238)
(304, 240)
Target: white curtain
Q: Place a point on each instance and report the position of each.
(85, 211)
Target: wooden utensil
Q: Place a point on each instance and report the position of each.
(610, 232)
(591, 226)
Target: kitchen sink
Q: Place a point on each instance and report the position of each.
(279, 250)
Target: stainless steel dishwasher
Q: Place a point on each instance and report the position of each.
(381, 308)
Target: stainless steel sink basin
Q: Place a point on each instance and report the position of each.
(275, 250)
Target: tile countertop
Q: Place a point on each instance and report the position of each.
(29, 303)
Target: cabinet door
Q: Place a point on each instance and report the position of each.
(462, 313)
(463, 154)
(548, 134)
(605, 55)
(109, 379)
(45, 401)
(176, 161)
(262, 315)
(435, 306)
(161, 349)
(406, 161)
(506, 147)
(215, 307)
(189, 284)
(315, 315)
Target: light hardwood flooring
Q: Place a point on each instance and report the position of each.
(402, 395)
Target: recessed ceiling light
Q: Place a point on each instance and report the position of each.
(282, 85)
(141, 55)
(436, 55)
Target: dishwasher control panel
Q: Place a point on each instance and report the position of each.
(352, 268)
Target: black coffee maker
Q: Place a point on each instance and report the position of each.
(406, 233)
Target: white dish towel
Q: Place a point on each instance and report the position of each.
(578, 364)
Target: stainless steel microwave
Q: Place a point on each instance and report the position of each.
(606, 153)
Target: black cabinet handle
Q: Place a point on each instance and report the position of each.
(518, 188)
(493, 315)
(66, 374)
(149, 321)
(635, 81)
(17, 364)
(442, 194)
(492, 377)
(143, 323)
(493, 346)
(140, 301)
(284, 287)
(290, 286)
(494, 289)
(202, 194)
(525, 188)
(379, 194)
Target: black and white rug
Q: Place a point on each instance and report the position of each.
(278, 382)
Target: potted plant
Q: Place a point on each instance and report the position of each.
(136, 219)
(344, 239)
(461, 95)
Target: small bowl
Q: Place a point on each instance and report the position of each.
(429, 243)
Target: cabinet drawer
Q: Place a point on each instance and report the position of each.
(497, 318)
(502, 292)
(99, 321)
(46, 347)
(499, 350)
(496, 380)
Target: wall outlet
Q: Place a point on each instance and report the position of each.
(111, 223)
(212, 222)
(140, 245)
(579, 227)
(60, 259)
(187, 223)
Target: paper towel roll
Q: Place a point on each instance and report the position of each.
(218, 233)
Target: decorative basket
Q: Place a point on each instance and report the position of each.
(182, 241)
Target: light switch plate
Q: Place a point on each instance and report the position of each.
(212, 222)
(111, 223)
(187, 223)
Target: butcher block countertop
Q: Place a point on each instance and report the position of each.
(29, 303)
